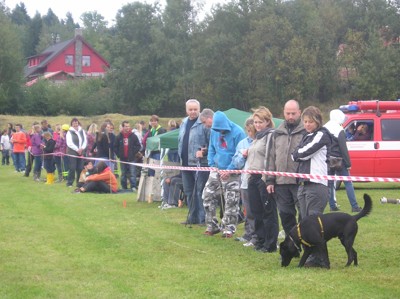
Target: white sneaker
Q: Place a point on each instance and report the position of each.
(163, 205)
(167, 206)
(248, 244)
(134, 190)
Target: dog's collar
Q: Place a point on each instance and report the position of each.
(294, 243)
(299, 233)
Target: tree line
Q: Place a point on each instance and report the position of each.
(242, 54)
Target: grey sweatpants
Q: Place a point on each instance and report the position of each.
(313, 198)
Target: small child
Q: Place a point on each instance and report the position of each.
(87, 170)
(48, 149)
(5, 148)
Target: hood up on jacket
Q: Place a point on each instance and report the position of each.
(334, 125)
(337, 116)
(221, 122)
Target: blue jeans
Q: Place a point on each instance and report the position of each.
(19, 161)
(173, 155)
(349, 190)
(128, 171)
(193, 189)
(155, 156)
(38, 164)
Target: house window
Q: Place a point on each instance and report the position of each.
(85, 60)
(68, 60)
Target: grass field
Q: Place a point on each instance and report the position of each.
(55, 244)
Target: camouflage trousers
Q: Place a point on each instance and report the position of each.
(230, 191)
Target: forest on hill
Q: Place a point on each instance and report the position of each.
(242, 54)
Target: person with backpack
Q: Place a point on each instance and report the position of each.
(339, 150)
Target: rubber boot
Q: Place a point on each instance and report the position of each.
(50, 179)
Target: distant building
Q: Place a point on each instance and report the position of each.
(70, 59)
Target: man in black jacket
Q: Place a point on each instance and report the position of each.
(126, 147)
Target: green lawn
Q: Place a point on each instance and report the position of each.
(55, 244)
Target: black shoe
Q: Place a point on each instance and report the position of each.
(356, 210)
(264, 250)
(186, 223)
(335, 209)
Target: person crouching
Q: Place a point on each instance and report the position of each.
(102, 181)
(48, 161)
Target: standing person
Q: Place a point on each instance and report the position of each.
(37, 151)
(103, 146)
(19, 142)
(48, 163)
(46, 127)
(56, 133)
(285, 140)
(262, 204)
(240, 159)
(10, 128)
(5, 148)
(76, 145)
(91, 140)
(126, 147)
(111, 134)
(193, 135)
(29, 156)
(339, 149)
(312, 155)
(137, 130)
(155, 130)
(224, 138)
(60, 159)
(144, 129)
(172, 154)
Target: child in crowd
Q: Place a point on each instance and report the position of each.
(48, 149)
(60, 150)
(87, 170)
(5, 148)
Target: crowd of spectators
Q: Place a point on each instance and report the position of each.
(72, 154)
(301, 143)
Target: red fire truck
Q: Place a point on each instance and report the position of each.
(377, 152)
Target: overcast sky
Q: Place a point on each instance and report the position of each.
(107, 8)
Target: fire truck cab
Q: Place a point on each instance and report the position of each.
(373, 137)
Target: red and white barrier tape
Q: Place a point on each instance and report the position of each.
(270, 173)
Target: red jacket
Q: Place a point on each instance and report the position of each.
(19, 142)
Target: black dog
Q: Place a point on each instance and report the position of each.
(313, 232)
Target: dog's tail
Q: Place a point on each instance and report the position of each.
(367, 207)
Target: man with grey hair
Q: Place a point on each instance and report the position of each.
(206, 117)
(193, 142)
(286, 138)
